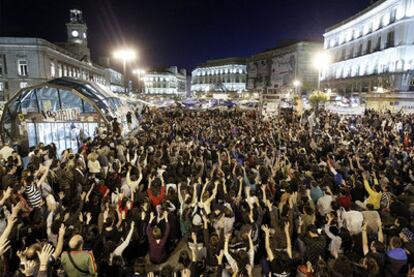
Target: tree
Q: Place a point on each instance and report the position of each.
(317, 98)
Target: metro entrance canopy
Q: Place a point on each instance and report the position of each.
(63, 111)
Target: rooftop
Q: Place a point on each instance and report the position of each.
(224, 61)
(32, 41)
(349, 19)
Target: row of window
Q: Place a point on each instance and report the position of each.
(158, 79)
(63, 70)
(5, 85)
(212, 72)
(161, 85)
(370, 69)
(22, 69)
(367, 29)
(360, 50)
(209, 80)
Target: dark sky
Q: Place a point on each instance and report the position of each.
(179, 32)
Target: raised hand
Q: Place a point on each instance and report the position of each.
(29, 268)
(266, 229)
(62, 230)
(220, 257)
(152, 217)
(16, 209)
(7, 193)
(88, 217)
(45, 254)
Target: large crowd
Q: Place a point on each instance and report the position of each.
(215, 193)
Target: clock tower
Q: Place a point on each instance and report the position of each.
(77, 34)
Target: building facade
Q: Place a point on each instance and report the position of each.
(224, 75)
(167, 81)
(28, 61)
(277, 68)
(372, 51)
(115, 80)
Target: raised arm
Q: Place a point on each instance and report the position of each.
(251, 248)
(6, 195)
(365, 247)
(44, 175)
(380, 232)
(120, 249)
(59, 245)
(11, 219)
(288, 240)
(232, 262)
(269, 251)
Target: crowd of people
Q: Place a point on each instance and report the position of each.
(215, 193)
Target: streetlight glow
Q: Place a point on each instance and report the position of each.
(296, 83)
(139, 72)
(321, 60)
(125, 54)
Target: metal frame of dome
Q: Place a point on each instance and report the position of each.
(102, 100)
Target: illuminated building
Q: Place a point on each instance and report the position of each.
(27, 61)
(166, 81)
(277, 68)
(223, 75)
(372, 51)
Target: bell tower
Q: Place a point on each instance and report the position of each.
(77, 34)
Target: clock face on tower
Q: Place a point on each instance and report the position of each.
(75, 33)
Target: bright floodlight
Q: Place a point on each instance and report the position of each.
(296, 83)
(321, 60)
(125, 54)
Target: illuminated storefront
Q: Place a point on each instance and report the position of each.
(63, 111)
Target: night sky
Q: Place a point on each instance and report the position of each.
(179, 32)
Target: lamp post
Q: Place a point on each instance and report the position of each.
(320, 61)
(125, 55)
(139, 72)
(296, 84)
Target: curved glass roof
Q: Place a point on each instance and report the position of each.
(38, 103)
(102, 96)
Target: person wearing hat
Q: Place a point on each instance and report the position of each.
(77, 262)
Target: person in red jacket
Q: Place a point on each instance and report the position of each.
(156, 194)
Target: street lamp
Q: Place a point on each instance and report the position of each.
(139, 72)
(296, 84)
(125, 55)
(321, 60)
